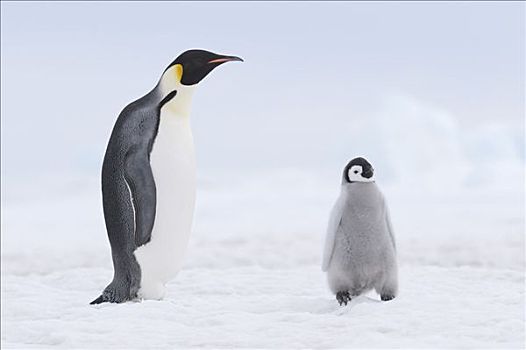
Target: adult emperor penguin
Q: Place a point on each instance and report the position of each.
(149, 180)
(360, 251)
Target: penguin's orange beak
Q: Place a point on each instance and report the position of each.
(226, 59)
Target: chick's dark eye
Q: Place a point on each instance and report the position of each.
(356, 171)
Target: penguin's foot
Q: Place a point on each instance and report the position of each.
(387, 297)
(99, 300)
(114, 293)
(343, 297)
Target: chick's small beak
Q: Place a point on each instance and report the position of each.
(368, 173)
(224, 59)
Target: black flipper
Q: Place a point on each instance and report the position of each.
(139, 178)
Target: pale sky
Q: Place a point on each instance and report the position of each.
(314, 73)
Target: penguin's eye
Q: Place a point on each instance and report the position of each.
(356, 171)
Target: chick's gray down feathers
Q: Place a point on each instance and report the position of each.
(360, 250)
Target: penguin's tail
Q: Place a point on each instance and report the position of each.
(99, 300)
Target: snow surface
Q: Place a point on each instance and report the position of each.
(252, 277)
(251, 306)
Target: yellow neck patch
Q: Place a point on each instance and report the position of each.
(174, 74)
(170, 82)
(171, 79)
(178, 72)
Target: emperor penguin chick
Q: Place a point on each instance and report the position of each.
(360, 251)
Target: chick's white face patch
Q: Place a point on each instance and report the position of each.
(355, 174)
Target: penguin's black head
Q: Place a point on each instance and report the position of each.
(196, 64)
(358, 170)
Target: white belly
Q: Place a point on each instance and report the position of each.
(173, 164)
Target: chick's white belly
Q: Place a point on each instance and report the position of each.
(173, 166)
